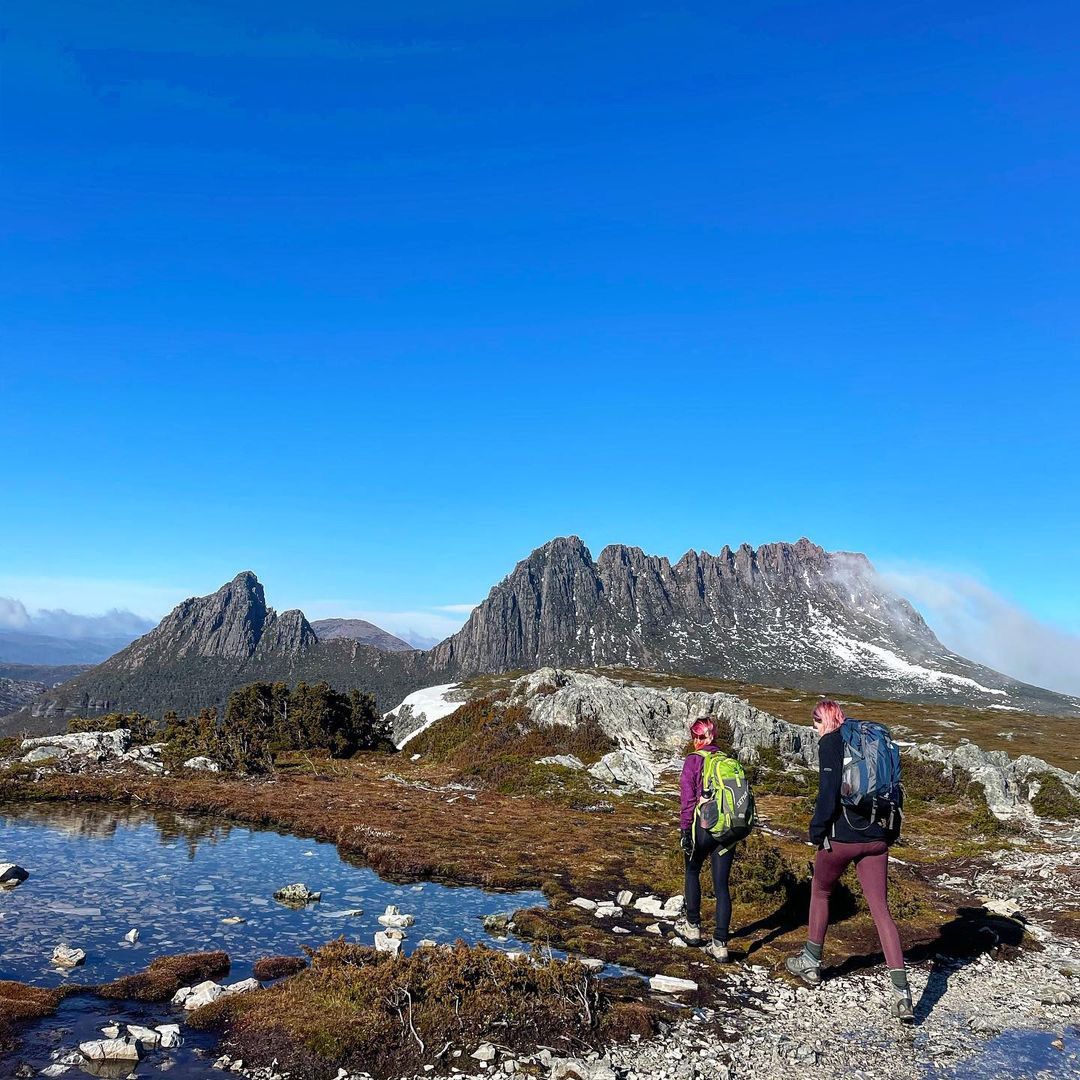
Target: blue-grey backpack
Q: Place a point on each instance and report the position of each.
(870, 781)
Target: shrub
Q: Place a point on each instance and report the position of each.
(361, 1010)
(1054, 800)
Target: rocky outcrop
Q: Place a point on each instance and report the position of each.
(651, 724)
(91, 749)
(14, 693)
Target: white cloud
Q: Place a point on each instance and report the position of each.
(91, 596)
(976, 622)
(56, 622)
(457, 609)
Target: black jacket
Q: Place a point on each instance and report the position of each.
(831, 818)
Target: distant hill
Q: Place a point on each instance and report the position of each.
(359, 630)
(782, 615)
(19, 646)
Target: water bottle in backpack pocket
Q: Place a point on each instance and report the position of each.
(870, 782)
(726, 807)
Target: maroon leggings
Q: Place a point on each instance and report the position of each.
(872, 866)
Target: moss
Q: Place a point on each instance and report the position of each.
(1054, 800)
(8, 745)
(361, 1010)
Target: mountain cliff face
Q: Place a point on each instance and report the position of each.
(783, 615)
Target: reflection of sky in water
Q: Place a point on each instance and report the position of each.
(97, 873)
(1027, 1054)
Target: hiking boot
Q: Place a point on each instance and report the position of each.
(901, 1005)
(717, 950)
(805, 966)
(688, 931)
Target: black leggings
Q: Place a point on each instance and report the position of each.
(706, 847)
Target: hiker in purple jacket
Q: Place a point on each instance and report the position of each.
(700, 844)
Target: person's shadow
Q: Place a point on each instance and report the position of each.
(962, 940)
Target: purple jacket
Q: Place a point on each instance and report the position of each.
(690, 786)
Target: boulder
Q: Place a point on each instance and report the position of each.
(297, 895)
(132, 936)
(66, 956)
(394, 920)
(195, 997)
(625, 768)
(202, 764)
(624, 898)
(498, 923)
(149, 1038)
(484, 1052)
(125, 1049)
(170, 1035)
(387, 944)
(673, 907)
(245, 986)
(95, 745)
(11, 874)
(583, 903)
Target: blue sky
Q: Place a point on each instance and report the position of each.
(373, 299)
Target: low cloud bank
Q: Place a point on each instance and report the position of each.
(974, 621)
(56, 622)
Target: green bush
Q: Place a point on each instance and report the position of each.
(1054, 800)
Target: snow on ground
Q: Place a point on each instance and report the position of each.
(856, 652)
(427, 706)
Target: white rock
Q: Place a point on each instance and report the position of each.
(591, 963)
(147, 1036)
(624, 898)
(111, 1050)
(170, 1035)
(111, 1031)
(667, 984)
(66, 956)
(195, 997)
(583, 903)
(673, 906)
(132, 936)
(426, 943)
(1005, 908)
(387, 944)
(297, 895)
(649, 905)
(397, 922)
(653, 928)
(54, 1070)
(245, 986)
(202, 764)
(566, 761)
(625, 768)
(233, 920)
(485, 1052)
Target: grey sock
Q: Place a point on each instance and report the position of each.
(814, 951)
(898, 977)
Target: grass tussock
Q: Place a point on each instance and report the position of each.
(1054, 800)
(165, 976)
(360, 1010)
(271, 968)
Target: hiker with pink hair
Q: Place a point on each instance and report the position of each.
(698, 845)
(846, 834)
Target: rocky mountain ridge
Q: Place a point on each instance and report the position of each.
(781, 615)
(785, 615)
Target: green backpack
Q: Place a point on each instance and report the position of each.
(726, 807)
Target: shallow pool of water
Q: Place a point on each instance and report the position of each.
(97, 873)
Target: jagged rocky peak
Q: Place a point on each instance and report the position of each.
(785, 614)
(232, 623)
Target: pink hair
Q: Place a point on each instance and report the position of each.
(703, 728)
(829, 715)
